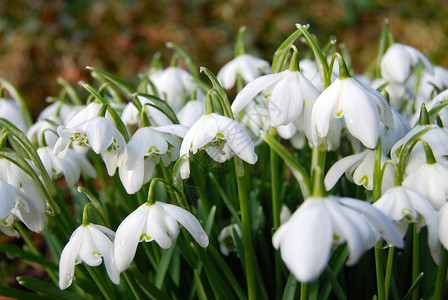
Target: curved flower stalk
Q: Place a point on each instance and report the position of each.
(11, 111)
(359, 169)
(398, 61)
(434, 136)
(89, 244)
(306, 239)
(147, 147)
(221, 137)
(174, 85)
(247, 66)
(157, 222)
(288, 94)
(97, 134)
(430, 180)
(71, 166)
(361, 107)
(403, 206)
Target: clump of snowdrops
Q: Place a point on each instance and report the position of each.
(312, 182)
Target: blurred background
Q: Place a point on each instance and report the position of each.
(41, 40)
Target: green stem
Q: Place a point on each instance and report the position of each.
(415, 259)
(304, 291)
(100, 284)
(276, 207)
(379, 273)
(249, 256)
(388, 276)
(131, 282)
(441, 276)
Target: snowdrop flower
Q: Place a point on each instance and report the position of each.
(97, 134)
(359, 169)
(88, 243)
(398, 60)
(392, 134)
(11, 111)
(221, 137)
(131, 115)
(147, 147)
(434, 136)
(403, 206)
(191, 112)
(174, 85)
(428, 83)
(443, 225)
(226, 239)
(361, 107)
(71, 166)
(29, 201)
(306, 239)
(14, 204)
(287, 93)
(430, 180)
(157, 222)
(247, 66)
(398, 93)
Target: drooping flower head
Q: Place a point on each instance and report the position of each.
(89, 244)
(306, 239)
(159, 222)
(221, 137)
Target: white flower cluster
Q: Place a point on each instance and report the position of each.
(305, 105)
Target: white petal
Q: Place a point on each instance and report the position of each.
(68, 257)
(339, 168)
(132, 180)
(156, 227)
(187, 220)
(305, 255)
(100, 133)
(127, 237)
(104, 244)
(381, 223)
(443, 225)
(252, 89)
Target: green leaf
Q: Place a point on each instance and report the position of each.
(19, 99)
(20, 294)
(148, 286)
(70, 91)
(188, 60)
(278, 62)
(290, 161)
(413, 287)
(227, 272)
(159, 104)
(28, 256)
(290, 288)
(164, 264)
(199, 286)
(47, 289)
(125, 88)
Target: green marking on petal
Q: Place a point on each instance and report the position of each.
(145, 237)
